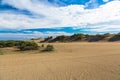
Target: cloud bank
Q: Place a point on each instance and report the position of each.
(30, 14)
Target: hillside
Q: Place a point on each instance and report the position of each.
(84, 38)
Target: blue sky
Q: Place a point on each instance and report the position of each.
(25, 19)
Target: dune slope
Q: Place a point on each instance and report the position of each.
(70, 61)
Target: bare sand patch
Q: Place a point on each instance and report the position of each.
(70, 61)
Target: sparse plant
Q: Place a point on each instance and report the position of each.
(77, 37)
(28, 46)
(49, 48)
(42, 45)
(2, 44)
(61, 38)
(10, 43)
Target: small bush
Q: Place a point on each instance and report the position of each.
(77, 37)
(61, 38)
(42, 45)
(2, 44)
(10, 43)
(49, 48)
(27, 46)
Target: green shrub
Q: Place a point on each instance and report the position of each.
(42, 45)
(77, 37)
(2, 44)
(10, 43)
(49, 48)
(27, 46)
(61, 38)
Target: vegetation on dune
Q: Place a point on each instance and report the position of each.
(77, 37)
(42, 45)
(9, 43)
(61, 38)
(22, 45)
(48, 48)
(106, 34)
(47, 39)
(116, 37)
(28, 46)
(94, 38)
(2, 44)
(84, 37)
(31, 45)
(25, 45)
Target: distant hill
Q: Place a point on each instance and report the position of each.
(84, 38)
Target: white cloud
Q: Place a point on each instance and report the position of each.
(73, 15)
(22, 36)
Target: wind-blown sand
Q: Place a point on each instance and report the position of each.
(70, 61)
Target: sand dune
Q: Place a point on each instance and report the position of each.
(70, 61)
